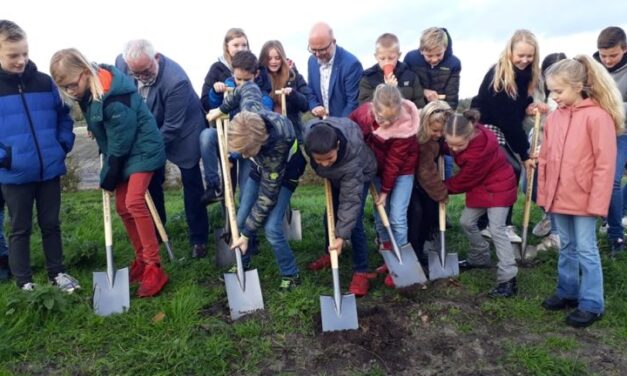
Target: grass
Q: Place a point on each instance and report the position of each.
(184, 330)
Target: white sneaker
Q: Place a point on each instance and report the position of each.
(486, 233)
(625, 222)
(604, 226)
(512, 235)
(66, 283)
(542, 228)
(28, 286)
(550, 242)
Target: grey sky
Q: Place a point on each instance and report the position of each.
(191, 32)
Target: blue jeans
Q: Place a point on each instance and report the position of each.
(358, 235)
(4, 250)
(273, 227)
(209, 155)
(580, 275)
(615, 213)
(396, 207)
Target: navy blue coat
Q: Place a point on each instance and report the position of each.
(35, 128)
(343, 85)
(177, 110)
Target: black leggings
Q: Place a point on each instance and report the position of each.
(422, 221)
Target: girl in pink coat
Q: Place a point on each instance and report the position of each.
(575, 176)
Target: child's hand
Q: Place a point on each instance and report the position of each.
(219, 87)
(319, 111)
(431, 95)
(543, 108)
(381, 199)
(391, 80)
(339, 243)
(287, 90)
(241, 243)
(214, 114)
(530, 163)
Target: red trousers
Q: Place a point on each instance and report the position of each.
(130, 204)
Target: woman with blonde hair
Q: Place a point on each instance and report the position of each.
(131, 146)
(505, 96)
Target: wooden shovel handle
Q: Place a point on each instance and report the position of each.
(441, 205)
(330, 222)
(155, 217)
(221, 124)
(531, 172)
(106, 212)
(380, 209)
(281, 92)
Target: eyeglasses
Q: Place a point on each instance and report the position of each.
(73, 85)
(146, 73)
(318, 51)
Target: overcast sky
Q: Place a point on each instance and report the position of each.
(191, 32)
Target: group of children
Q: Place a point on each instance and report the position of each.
(405, 123)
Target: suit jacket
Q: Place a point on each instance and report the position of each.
(177, 110)
(343, 85)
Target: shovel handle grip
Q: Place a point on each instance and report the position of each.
(281, 92)
(380, 209)
(155, 217)
(221, 124)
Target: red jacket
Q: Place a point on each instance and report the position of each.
(395, 147)
(577, 161)
(484, 173)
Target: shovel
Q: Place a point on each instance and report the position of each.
(243, 289)
(442, 264)
(111, 288)
(402, 262)
(524, 248)
(162, 233)
(338, 312)
(291, 223)
(224, 256)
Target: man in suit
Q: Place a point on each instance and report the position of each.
(333, 75)
(172, 100)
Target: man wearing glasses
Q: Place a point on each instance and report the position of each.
(173, 102)
(333, 75)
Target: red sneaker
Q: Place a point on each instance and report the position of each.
(321, 263)
(389, 281)
(153, 280)
(137, 271)
(383, 269)
(361, 283)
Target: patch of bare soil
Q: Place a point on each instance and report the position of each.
(425, 334)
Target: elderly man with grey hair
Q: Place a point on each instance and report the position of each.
(169, 94)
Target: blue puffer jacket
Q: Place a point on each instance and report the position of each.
(35, 128)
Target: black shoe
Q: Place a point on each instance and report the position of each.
(464, 266)
(210, 196)
(505, 289)
(617, 246)
(555, 303)
(199, 251)
(581, 319)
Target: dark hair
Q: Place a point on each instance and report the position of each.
(321, 139)
(611, 37)
(462, 125)
(10, 31)
(549, 60)
(246, 61)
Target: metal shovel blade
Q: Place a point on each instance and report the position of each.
(336, 318)
(440, 270)
(111, 296)
(406, 271)
(292, 225)
(224, 256)
(244, 296)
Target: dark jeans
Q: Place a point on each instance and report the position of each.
(19, 199)
(358, 235)
(4, 251)
(514, 161)
(195, 212)
(422, 220)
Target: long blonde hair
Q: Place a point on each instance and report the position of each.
(280, 78)
(504, 73)
(70, 63)
(436, 111)
(247, 133)
(597, 84)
